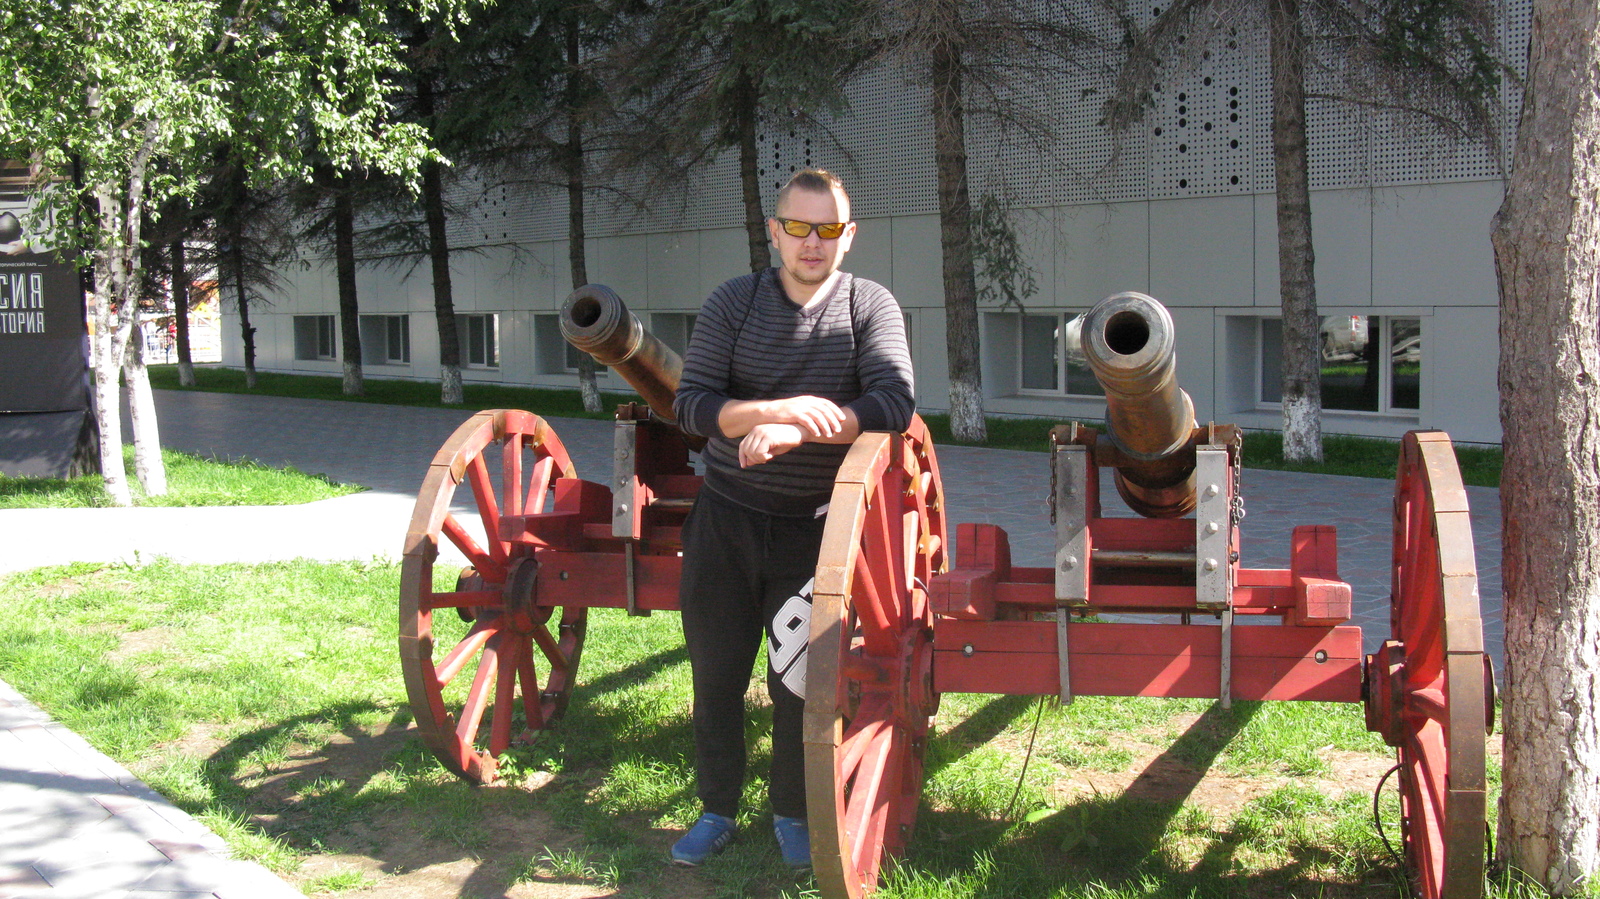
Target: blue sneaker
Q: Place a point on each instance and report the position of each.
(794, 841)
(709, 835)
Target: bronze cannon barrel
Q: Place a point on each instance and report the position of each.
(1129, 342)
(595, 320)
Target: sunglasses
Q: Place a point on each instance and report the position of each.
(826, 231)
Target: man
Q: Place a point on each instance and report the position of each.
(786, 367)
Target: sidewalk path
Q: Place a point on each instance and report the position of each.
(76, 824)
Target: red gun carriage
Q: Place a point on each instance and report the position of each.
(901, 616)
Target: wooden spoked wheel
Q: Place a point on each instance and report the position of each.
(474, 696)
(1430, 687)
(869, 686)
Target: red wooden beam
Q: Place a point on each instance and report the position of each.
(598, 580)
(1269, 661)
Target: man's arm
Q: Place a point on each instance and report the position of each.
(765, 441)
(703, 385)
(888, 392)
(819, 418)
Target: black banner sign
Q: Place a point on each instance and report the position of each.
(42, 364)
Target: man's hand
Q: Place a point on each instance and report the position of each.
(765, 442)
(818, 418)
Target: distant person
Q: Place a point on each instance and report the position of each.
(785, 369)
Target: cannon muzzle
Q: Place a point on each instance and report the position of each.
(1128, 341)
(595, 320)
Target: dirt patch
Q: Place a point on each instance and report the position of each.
(134, 643)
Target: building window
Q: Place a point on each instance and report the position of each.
(479, 334)
(386, 339)
(674, 329)
(1370, 363)
(314, 337)
(1049, 358)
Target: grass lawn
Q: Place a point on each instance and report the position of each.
(191, 481)
(1357, 456)
(268, 701)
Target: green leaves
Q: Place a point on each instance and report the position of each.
(140, 93)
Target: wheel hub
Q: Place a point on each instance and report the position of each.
(522, 612)
(1385, 691)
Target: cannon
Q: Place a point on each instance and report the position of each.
(905, 609)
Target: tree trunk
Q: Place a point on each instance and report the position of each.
(577, 258)
(180, 313)
(241, 294)
(1297, 286)
(148, 466)
(116, 310)
(109, 335)
(747, 108)
(444, 306)
(107, 365)
(1547, 252)
(955, 239)
(344, 228)
(86, 450)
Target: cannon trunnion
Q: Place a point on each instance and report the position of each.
(906, 608)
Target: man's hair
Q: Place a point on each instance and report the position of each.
(815, 180)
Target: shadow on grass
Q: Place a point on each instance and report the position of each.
(1124, 841)
(977, 729)
(331, 782)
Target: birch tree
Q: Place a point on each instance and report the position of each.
(1547, 251)
(115, 87)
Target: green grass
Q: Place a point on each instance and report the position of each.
(1366, 457)
(1362, 457)
(268, 701)
(191, 481)
(559, 403)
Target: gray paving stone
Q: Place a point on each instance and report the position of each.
(76, 824)
(18, 881)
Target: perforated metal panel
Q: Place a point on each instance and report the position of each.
(1209, 134)
(1206, 132)
(1093, 165)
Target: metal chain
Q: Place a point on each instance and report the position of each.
(1238, 483)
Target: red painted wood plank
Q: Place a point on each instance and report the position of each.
(599, 580)
(1269, 661)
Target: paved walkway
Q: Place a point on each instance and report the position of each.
(76, 824)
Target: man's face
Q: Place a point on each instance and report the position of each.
(812, 259)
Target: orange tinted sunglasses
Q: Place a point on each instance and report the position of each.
(826, 231)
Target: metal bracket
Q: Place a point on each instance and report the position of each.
(1063, 613)
(1213, 523)
(626, 520)
(625, 445)
(630, 549)
(1072, 524)
(1213, 545)
(1225, 658)
(1070, 503)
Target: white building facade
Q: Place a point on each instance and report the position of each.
(1181, 208)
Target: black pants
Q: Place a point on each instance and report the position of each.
(746, 574)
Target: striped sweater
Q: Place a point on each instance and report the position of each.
(849, 348)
